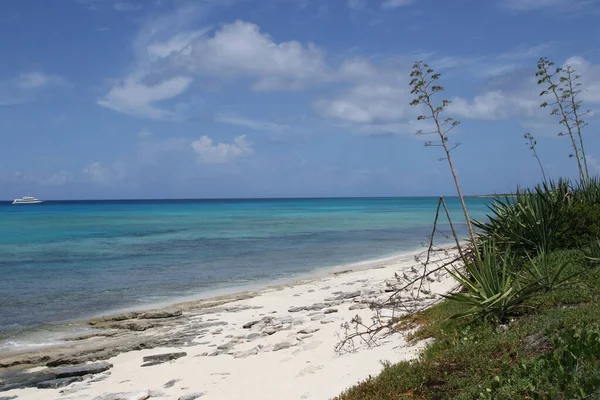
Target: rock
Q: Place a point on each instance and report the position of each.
(253, 336)
(162, 358)
(250, 324)
(351, 295)
(81, 370)
(317, 317)
(327, 321)
(9, 397)
(226, 346)
(331, 310)
(211, 324)
(308, 331)
(160, 314)
(281, 346)
(133, 326)
(270, 330)
(316, 306)
(358, 306)
(296, 309)
(58, 383)
(536, 343)
(244, 354)
(171, 383)
(141, 395)
(331, 299)
(191, 396)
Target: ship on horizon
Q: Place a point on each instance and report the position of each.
(27, 200)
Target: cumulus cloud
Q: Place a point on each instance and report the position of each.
(237, 50)
(366, 104)
(209, 152)
(136, 98)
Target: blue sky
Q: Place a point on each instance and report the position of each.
(280, 98)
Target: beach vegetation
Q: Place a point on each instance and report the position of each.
(425, 86)
(525, 321)
(562, 88)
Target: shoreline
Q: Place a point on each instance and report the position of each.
(54, 333)
(288, 330)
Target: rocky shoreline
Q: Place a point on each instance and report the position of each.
(299, 317)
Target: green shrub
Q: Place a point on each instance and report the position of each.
(491, 292)
(570, 370)
(581, 226)
(528, 222)
(546, 274)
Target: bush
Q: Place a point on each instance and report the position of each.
(491, 292)
(581, 226)
(528, 222)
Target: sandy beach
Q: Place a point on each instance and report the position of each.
(274, 343)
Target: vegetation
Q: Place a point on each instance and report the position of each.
(424, 86)
(526, 324)
(563, 87)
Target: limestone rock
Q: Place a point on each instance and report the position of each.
(162, 358)
(58, 383)
(81, 370)
(160, 314)
(191, 396)
(308, 331)
(281, 346)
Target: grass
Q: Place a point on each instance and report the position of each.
(551, 351)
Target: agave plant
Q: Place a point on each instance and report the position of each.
(544, 274)
(530, 220)
(491, 290)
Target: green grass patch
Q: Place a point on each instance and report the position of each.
(551, 351)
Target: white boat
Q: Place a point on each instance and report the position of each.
(27, 200)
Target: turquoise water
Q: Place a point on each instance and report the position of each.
(61, 261)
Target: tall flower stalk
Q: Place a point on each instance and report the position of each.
(424, 87)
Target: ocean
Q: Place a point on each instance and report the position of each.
(67, 260)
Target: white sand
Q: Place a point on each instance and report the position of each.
(308, 369)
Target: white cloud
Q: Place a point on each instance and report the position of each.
(136, 98)
(237, 50)
(387, 4)
(488, 106)
(590, 78)
(241, 50)
(180, 43)
(213, 153)
(366, 104)
(250, 123)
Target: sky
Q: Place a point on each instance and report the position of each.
(126, 99)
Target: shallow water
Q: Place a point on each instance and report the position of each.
(62, 261)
